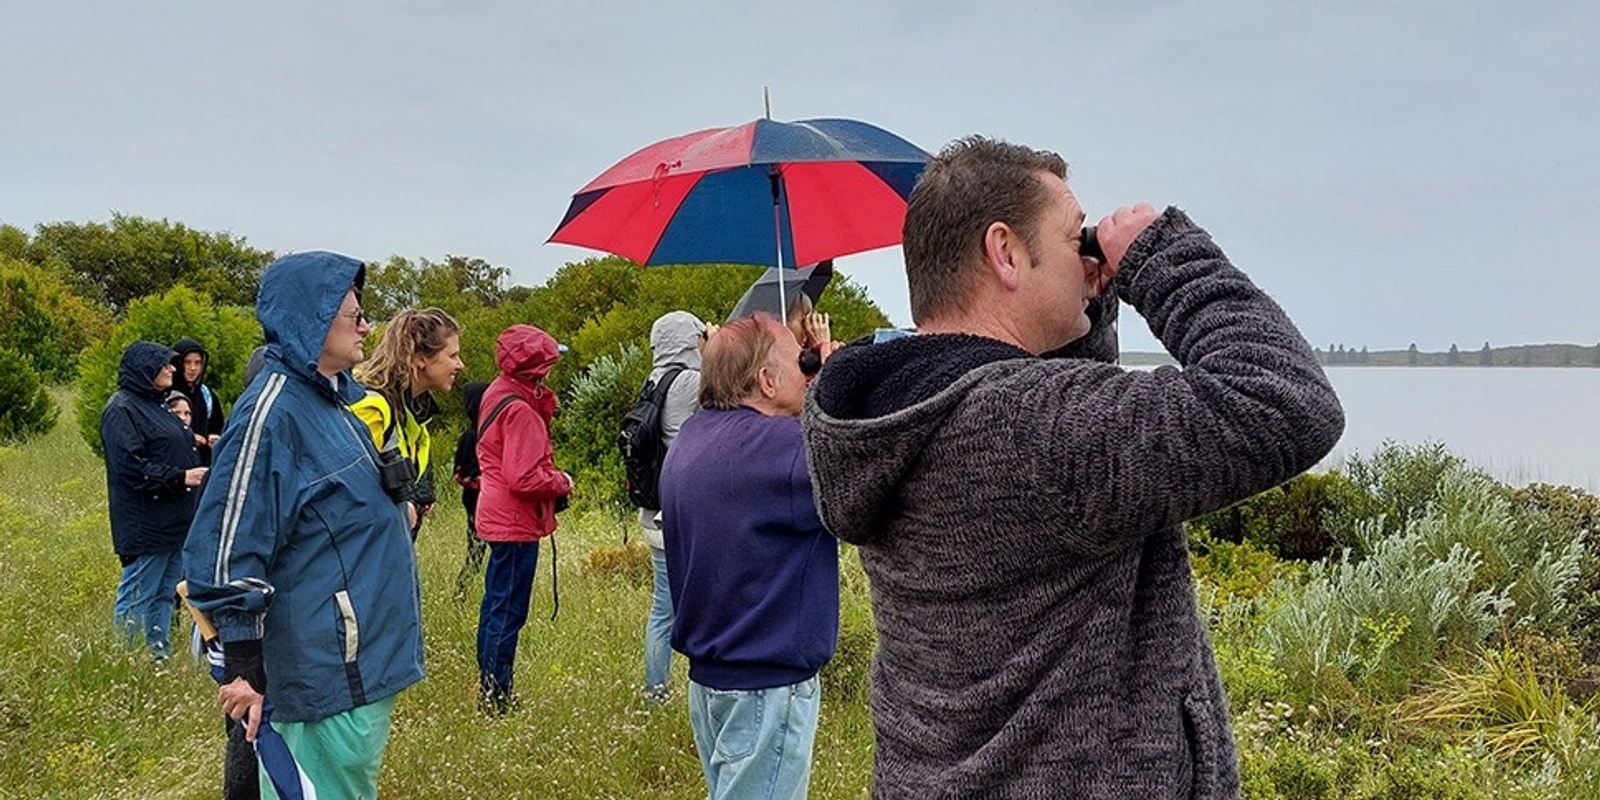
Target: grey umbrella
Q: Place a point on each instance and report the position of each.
(775, 292)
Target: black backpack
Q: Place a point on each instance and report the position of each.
(640, 441)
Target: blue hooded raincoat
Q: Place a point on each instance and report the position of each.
(295, 542)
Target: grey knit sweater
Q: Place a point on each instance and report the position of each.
(1019, 521)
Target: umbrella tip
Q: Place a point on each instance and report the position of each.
(766, 99)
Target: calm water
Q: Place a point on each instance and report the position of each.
(1521, 425)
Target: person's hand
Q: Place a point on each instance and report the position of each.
(212, 439)
(199, 441)
(705, 335)
(193, 477)
(827, 348)
(240, 701)
(816, 325)
(1116, 233)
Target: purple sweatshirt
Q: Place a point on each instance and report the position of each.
(754, 574)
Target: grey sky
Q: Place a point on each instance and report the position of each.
(1391, 171)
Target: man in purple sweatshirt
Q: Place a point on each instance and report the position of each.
(754, 575)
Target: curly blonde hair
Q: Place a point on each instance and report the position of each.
(411, 333)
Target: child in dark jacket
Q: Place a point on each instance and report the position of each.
(467, 473)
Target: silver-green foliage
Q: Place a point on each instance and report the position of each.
(586, 430)
(1447, 579)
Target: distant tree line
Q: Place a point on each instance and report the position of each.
(74, 295)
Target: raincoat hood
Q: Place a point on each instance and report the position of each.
(300, 297)
(525, 353)
(675, 339)
(472, 400)
(184, 347)
(141, 362)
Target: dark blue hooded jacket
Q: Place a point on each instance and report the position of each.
(148, 449)
(296, 544)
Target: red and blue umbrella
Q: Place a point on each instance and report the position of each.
(777, 194)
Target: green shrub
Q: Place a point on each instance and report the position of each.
(1563, 508)
(586, 430)
(1293, 520)
(26, 409)
(41, 318)
(228, 333)
(1396, 483)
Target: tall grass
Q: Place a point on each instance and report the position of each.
(1318, 662)
(82, 716)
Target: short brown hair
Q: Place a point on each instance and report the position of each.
(972, 183)
(730, 365)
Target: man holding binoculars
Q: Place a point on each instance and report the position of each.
(1018, 498)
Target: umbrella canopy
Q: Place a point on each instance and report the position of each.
(766, 294)
(766, 193)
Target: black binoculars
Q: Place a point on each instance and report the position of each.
(397, 474)
(1089, 244)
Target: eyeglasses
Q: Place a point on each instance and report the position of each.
(357, 316)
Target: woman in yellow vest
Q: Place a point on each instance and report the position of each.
(419, 353)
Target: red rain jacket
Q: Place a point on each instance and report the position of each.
(520, 480)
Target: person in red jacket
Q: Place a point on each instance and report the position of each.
(517, 499)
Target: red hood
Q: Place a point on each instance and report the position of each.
(525, 352)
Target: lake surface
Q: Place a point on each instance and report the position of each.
(1522, 425)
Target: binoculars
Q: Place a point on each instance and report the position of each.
(1089, 244)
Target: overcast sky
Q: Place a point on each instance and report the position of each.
(1392, 172)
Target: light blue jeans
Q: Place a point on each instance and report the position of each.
(658, 629)
(144, 599)
(756, 745)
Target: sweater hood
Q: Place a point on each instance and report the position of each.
(526, 353)
(141, 362)
(675, 339)
(875, 407)
(300, 297)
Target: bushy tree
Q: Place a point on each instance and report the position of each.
(457, 285)
(586, 428)
(228, 333)
(130, 257)
(43, 320)
(26, 409)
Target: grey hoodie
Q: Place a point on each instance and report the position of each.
(674, 340)
(1019, 521)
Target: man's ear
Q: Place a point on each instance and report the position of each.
(766, 384)
(1004, 254)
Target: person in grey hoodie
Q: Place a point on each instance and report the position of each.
(1019, 517)
(675, 340)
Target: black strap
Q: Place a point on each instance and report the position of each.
(495, 412)
(660, 395)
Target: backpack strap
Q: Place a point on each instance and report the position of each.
(483, 427)
(205, 394)
(664, 385)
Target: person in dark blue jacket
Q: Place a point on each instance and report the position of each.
(754, 575)
(300, 552)
(151, 470)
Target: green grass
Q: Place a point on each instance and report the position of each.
(81, 716)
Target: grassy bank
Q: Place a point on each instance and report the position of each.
(83, 717)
